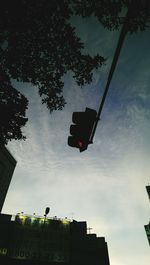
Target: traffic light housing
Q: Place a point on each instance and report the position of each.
(82, 129)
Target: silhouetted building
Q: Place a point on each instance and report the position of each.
(147, 227)
(7, 166)
(49, 241)
(148, 190)
(147, 230)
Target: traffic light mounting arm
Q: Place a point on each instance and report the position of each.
(112, 69)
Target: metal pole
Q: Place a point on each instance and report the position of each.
(111, 72)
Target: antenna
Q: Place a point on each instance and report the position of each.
(89, 229)
(72, 215)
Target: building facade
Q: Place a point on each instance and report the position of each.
(7, 166)
(147, 227)
(49, 241)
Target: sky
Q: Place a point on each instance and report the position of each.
(105, 185)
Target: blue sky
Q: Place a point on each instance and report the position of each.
(105, 185)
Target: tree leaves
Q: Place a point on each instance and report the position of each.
(39, 46)
(111, 14)
(12, 111)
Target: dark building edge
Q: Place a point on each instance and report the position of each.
(8, 154)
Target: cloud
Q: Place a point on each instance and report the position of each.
(105, 185)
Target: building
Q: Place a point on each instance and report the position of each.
(147, 230)
(148, 191)
(7, 166)
(147, 227)
(49, 241)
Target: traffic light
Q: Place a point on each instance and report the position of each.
(82, 128)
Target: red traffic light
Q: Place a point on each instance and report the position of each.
(82, 128)
(78, 143)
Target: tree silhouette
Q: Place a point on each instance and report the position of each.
(111, 14)
(39, 46)
(12, 111)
